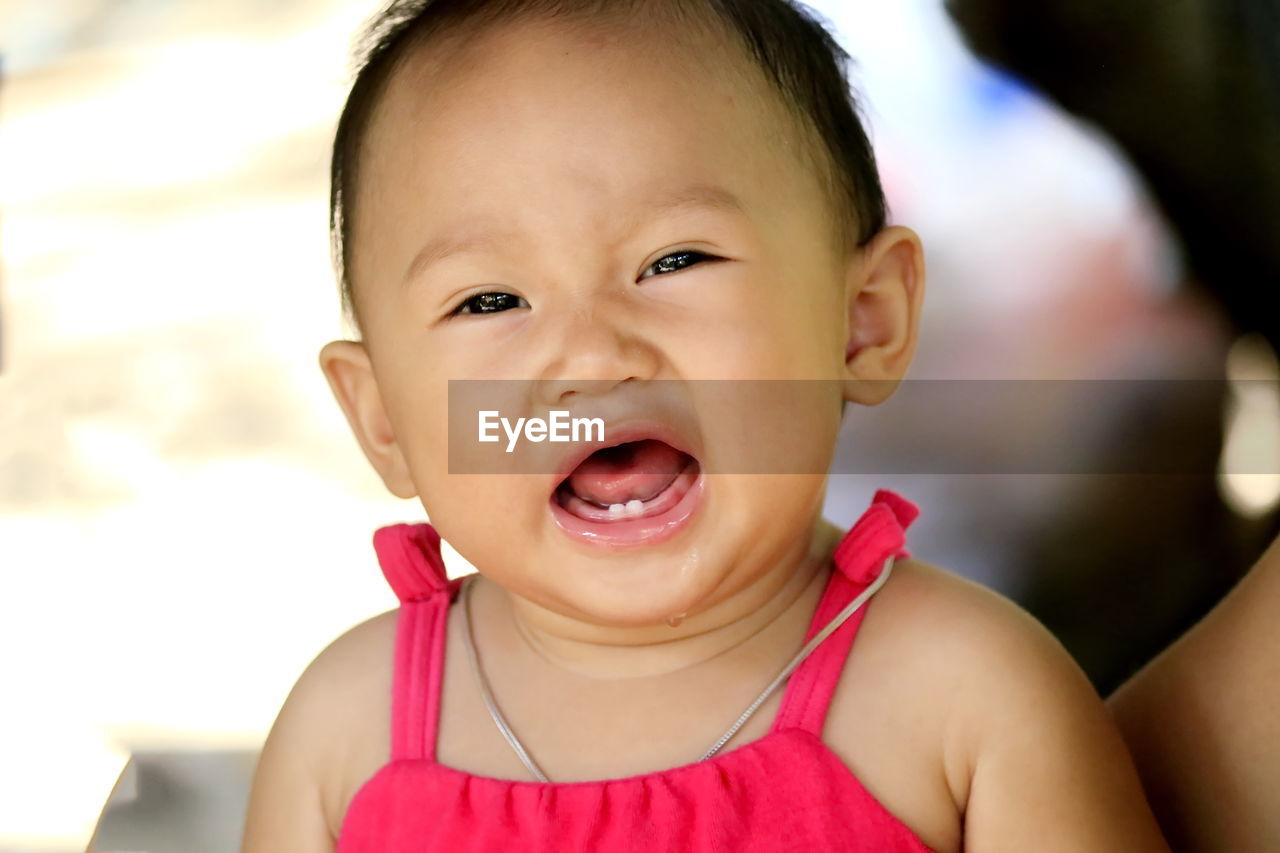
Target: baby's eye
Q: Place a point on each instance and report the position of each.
(489, 303)
(677, 261)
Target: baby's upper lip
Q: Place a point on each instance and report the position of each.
(621, 431)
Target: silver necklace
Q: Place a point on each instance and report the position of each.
(523, 754)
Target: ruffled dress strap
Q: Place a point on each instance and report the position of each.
(409, 555)
(880, 533)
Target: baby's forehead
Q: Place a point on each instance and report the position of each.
(537, 93)
(476, 62)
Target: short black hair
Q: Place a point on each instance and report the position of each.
(800, 58)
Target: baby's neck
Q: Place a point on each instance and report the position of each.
(779, 597)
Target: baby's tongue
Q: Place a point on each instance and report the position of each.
(637, 470)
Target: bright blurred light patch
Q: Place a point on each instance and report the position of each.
(166, 287)
(1252, 429)
(51, 789)
(198, 108)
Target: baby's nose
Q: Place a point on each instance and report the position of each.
(594, 348)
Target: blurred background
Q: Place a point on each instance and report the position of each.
(185, 521)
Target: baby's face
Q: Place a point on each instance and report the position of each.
(632, 216)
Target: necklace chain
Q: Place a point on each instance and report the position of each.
(532, 767)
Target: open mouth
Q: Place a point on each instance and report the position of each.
(631, 492)
(635, 479)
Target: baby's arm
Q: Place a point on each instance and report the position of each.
(295, 802)
(1203, 724)
(1034, 760)
(285, 810)
(1050, 770)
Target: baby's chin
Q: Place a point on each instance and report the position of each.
(644, 595)
(641, 590)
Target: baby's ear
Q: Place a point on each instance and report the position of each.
(347, 366)
(884, 293)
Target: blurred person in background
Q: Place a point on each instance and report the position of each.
(1191, 90)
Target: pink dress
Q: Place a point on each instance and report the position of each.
(784, 791)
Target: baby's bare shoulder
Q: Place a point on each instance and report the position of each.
(1006, 711)
(989, 658)
(953, 618)
(331, 734)
(937, 661)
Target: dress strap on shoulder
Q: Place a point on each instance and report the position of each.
(877, 535)
(410, 558)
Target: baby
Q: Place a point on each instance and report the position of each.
(658, 653)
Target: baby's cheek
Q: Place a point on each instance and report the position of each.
(483, 516)
(810, 331)
(775, 339)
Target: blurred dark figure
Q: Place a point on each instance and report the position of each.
(1191, 90)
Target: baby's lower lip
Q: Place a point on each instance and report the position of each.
(664, 516)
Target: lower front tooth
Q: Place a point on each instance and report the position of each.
(616, 509)
(635, 507)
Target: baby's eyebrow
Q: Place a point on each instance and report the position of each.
(703, 196)
(698, 195)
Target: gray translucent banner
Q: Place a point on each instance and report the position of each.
(923, 427)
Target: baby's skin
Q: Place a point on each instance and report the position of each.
(559, 166)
